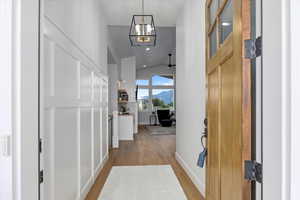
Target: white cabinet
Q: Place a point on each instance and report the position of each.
(126, 127)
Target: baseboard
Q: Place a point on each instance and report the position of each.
(199, 185)
(106, 157)
(98, 170)
(87, 187)
(93, 179)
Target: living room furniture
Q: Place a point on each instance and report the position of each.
(164, 118)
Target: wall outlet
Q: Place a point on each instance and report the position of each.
(5, 146)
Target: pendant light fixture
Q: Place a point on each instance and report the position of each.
(142, 30)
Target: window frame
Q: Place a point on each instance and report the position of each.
(152, 87)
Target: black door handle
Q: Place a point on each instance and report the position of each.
(205, 132)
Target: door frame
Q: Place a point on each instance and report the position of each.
(25, 73)
(25, 98)
(277, 97)
(295, 99)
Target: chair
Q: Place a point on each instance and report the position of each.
(164, 118)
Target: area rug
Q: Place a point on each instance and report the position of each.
(142, 183)
(159, 130)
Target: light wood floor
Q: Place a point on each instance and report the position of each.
(146, 149)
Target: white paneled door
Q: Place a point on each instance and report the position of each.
(74, 117)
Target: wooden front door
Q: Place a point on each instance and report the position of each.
(229, 100)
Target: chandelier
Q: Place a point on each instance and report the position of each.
(142, 30)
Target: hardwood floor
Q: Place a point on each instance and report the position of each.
(146, 149)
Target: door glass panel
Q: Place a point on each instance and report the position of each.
(213, 42)
(226, 21)
(213, 10)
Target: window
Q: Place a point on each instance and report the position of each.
(163, 98)
(143, 99)
(226, 19)
(142, 82)
(213, 9)
(162, 80)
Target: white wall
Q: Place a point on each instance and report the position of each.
(190, 87)
(83, 23)
(113, 72)
(6, 99)
(128, 76)
(74, 97)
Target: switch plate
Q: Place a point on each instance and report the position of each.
(5, 145)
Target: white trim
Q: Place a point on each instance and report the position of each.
(294, 174)
(276, 99)
(93, 179)
(25, 99)
(199, 185)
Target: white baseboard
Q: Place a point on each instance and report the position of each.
(93, 179)
(199, 184)
(84, 192)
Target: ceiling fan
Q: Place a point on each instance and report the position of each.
(170, 61)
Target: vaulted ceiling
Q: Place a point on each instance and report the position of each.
(119, 14)
(155, 56)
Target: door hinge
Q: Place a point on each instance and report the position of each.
(253, 48)
(40, 145)
(41, 176)
(253, 171)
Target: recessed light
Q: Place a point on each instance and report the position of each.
(144, 66)
(148, 49)
(226, 24)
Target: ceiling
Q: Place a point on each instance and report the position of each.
(158, 55)
(119, 12)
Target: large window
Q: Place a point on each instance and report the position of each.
(143, 99)
(163, 98)
(156, 93)
(142, 82)
(162, 80)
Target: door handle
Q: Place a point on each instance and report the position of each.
(205, 132)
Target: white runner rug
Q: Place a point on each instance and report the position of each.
(142, 183)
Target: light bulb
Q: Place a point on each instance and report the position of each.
(138, 29)
(148, 29)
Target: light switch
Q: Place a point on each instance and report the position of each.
(5, 145)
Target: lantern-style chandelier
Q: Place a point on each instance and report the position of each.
(142, 30)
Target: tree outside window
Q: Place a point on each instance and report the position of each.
(163, 98)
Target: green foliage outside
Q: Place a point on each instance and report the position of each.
(159, 103)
